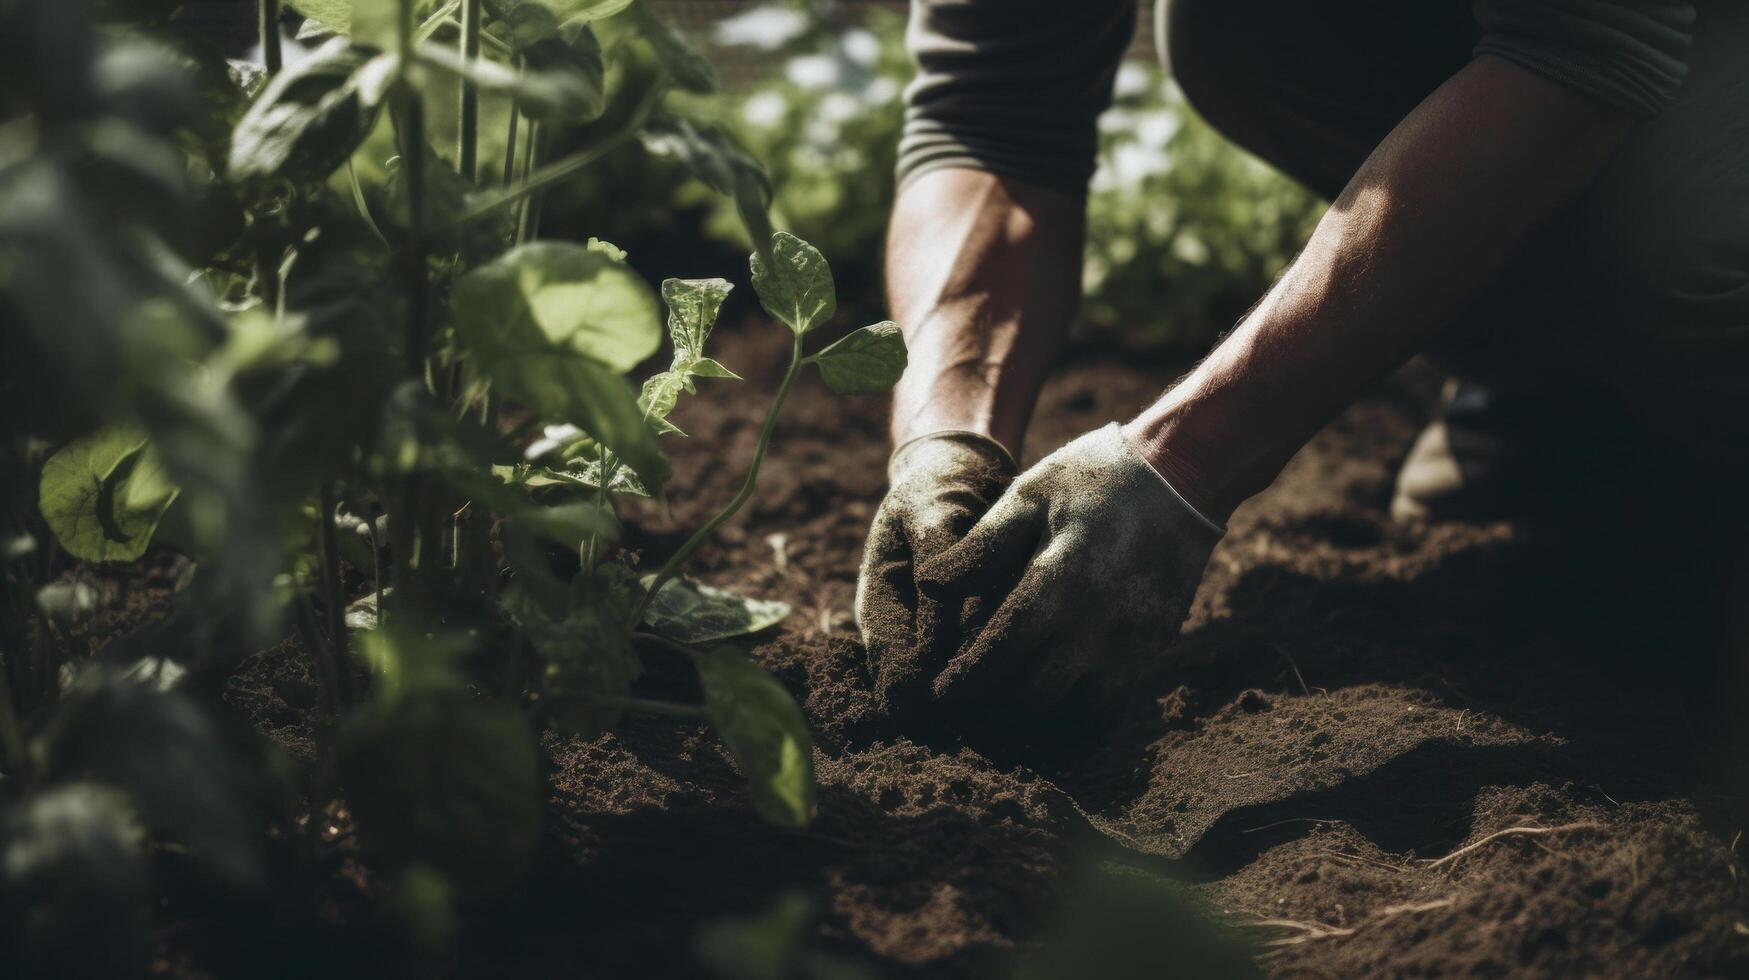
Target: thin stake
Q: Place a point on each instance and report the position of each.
(468, 140)
(267, 24)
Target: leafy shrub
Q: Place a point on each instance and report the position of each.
(230, 330)
(1184, 229)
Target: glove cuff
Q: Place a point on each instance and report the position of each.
(993, 451)
(1219, 530)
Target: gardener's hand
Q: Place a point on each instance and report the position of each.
(1090, 560)
(939, 485)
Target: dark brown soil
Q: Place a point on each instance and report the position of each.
(1351, 705)
(1388, 751)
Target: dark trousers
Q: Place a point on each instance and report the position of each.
(1639, 288)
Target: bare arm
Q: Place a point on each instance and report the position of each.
(1424, 225)
(984, 273)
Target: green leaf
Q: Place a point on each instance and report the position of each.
(559, 94)
(692, 612)
(693, 305)
(448, 781)
(571, 295)
(103, 495)
(587, 473)
(796, 287)
(764, 730)
(333, 14)
(866, 362)
(704, 367)
(582, 11)
(72, 855)
(705, 150)
(375, 22)
(570, 524)
(690, 70)
(310, 118)
(554, 324)
(585, 650)
(606, 248)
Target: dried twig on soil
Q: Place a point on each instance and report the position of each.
(1296, 667)
(1318, 930)
(1512, 831)
(1409, 908)
(1278, 823)
(1308, 931)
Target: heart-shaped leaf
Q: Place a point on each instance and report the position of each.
(866, 362)
(693, 612)
(103, 495)
(796, 285)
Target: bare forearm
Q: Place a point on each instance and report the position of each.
(1422, 228)
(984, 274)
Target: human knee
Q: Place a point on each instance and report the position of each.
(1203, 43)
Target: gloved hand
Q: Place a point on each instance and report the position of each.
(938, 486)
(1090, 560)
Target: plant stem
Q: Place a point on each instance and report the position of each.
(646, 705)
(267, 23)
(413, 529)
(304, 620)
(746, 492)
(376, 569)
(528, 218)
(331, 594)
(468, 144)
(11, 734)
(560, 170)
(508, 177)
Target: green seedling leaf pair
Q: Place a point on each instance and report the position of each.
(794, 284)
(693, 305)
(104, 495)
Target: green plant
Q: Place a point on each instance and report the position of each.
(200, 351)
(1184, 229)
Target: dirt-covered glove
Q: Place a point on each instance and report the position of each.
(938, 486)
(1089, 561)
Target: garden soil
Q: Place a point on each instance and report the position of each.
(1476, 750)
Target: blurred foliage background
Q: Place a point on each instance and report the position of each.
(1185, 230)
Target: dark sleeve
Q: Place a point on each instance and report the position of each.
(1012, 86)
(1630, 54)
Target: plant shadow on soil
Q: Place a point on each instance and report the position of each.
(1352, 702)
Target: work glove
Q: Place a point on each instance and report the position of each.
(938, 486)
(1088, 564)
